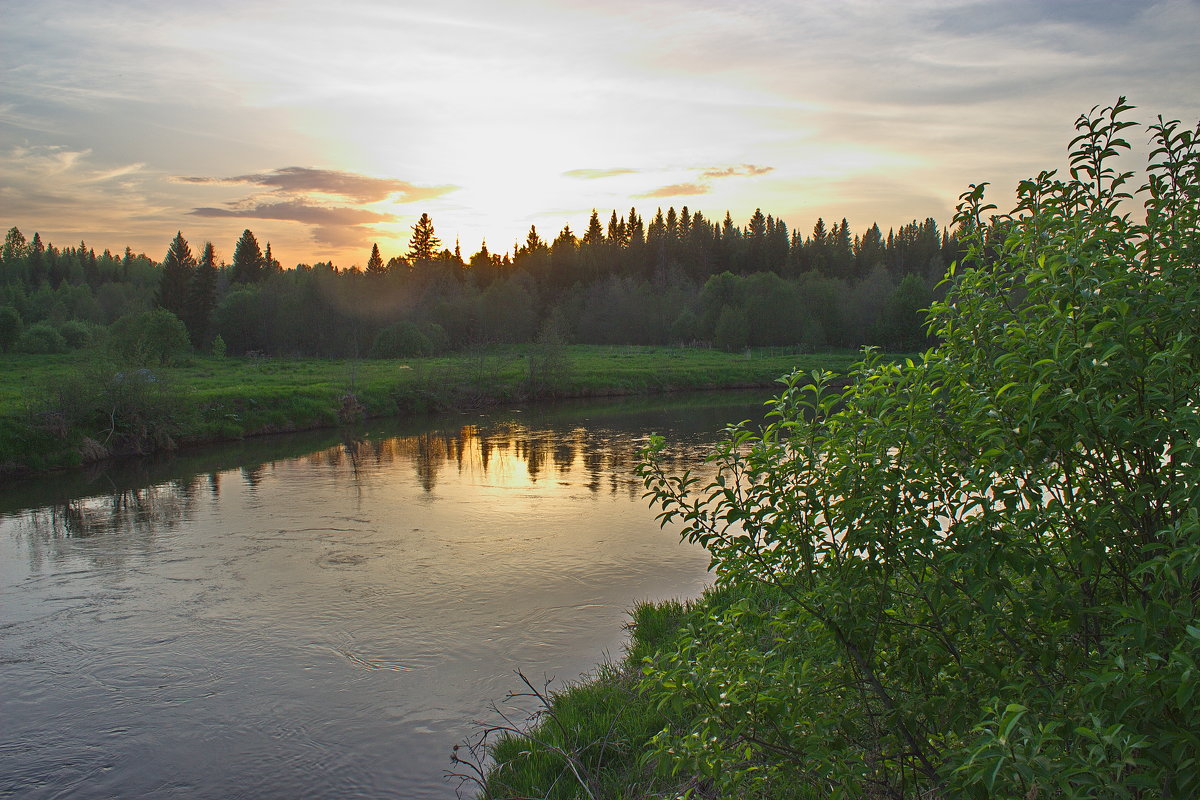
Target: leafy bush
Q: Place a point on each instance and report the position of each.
(77, 334)
(41, 338)
(733, 330)
(976, 574)
(402, 340)
(10, 327)
(155, 337)
(129, 411)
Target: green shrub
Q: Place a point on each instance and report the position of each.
(41, 338)
(402, 340)
(976, 574)
(77, 334)
(155, 337)
(10, 328)
(128, 411)
(733, 329)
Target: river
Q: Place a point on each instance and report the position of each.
(324, 615)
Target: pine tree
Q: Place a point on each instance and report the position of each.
(37, 260)
(594, 233)
(424, 244)
(202, 297)
(636, 229)
(177, 268)
(533, 242)
(375, 262)
(248, 260)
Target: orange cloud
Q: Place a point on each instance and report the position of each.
(677, 190)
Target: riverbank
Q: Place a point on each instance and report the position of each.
(64, 411)
(603, 735)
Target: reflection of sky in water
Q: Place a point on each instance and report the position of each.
(321, 625)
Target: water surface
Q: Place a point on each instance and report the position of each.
(316, 616)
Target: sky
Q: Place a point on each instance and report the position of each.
(325, 127)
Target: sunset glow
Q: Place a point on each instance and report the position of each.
(326, 127)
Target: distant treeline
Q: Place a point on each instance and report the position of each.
(679, 279)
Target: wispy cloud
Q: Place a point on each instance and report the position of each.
(298, 211)
(591, 174)
(703, 182)
(334, 225)
(305, 180)
(745, 170)
(677, 190)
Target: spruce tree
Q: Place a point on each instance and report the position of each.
(375, 262)
(270, 264)
(594, 233)
(202, 297)
(248, 260)
(424, 244)
(177, 268)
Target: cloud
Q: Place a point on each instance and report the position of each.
(702, 184)
(729, 172)
(590, 174)
(298, 211)
(334, 225)
(304, 180)
(677, 190)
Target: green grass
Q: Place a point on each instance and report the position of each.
(228, 398)
(593, 733)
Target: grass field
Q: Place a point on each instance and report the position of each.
(63, 410)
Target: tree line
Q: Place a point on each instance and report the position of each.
(679, 278)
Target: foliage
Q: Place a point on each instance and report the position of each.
(155, 337)
(976, 574)
(900, 325)
(583, 741)
(424, 244)
(178, 268)
(732, 331)
(41, 338)
(126, 411)
(249, 264)
(242, 319)
(231, 397)
(403, 340)
(10, 327)
(549, 364)
(202, 297)
(78, 334)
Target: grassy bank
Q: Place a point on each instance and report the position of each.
(599, 737)
(587, 739)
(60, 411)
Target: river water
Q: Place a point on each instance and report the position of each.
(324, 615)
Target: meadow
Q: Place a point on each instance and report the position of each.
(63, 410)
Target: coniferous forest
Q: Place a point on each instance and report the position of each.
(678, 278)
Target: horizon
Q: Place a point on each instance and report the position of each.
(325, 134)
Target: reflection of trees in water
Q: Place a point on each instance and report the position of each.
(600, 459)
(253, 475)
(141, 512)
